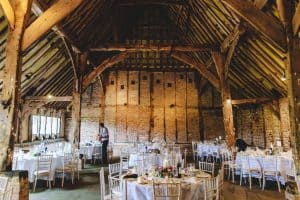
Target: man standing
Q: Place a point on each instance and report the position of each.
(104, 136)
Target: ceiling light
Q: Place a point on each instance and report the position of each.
(283, 77)
(49, 96)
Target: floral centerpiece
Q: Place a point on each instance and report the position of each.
(164, 172)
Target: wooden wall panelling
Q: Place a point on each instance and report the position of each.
(121, 124)
(170, 114)
(122, 88)
(133, 109)
(111, 89)
(181, 107)
(144, 88)
(110, 121)
(133, 88)
(192, 108)
(110, 104)
(144, 123)
(158, 109)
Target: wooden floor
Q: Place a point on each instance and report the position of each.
(88, 189)
(237, 192)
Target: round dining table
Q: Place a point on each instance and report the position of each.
(192, 188)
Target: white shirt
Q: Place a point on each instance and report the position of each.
(104, 134)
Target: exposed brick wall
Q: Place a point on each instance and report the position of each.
(285, 122)
(135, 111)
(264, 124)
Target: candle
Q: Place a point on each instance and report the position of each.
(165, 163)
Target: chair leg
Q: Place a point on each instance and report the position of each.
(278, 183)
(63, 180)
(264, 182)
(49, 182)
(259, 180)
(241, 177)
(250, 180)
(34, 185)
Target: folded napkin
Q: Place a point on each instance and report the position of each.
(130, 176)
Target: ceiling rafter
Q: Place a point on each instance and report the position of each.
(262, 22)
(87, 80)
(296, 20)
(152, 47)
(9, 12)
(200, 67)
(48, 19)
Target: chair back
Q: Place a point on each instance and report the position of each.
(124, 160)
(16, 160)
(114, 186)
(211, 188)
(166, 191)
(221, 176)
(102, 183)
(254, 162)
(194, 146)
(44, 162)
(207, 167)
(3, 184)
(115, 170)
(68, 158)
(269, 163)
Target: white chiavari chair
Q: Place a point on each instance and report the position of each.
(67, 168)
(102, 185)
(115, 189)
(211, 188)
(195, 150)
(166, 191)
(124, 160)
(43, 170)
(270, 170)
(207, 167)
(221, 181)
(115, 170)
(16, 160)
(251, 168)
(3, 187)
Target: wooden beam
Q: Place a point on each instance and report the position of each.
(87, 80)
(296, 20)
(149, 2)
(10, 96)
(199, 67)
(48, 98)
(9, 12)
(260, 3)
(152, 47)
(219, 61)
(259, 20)
(250, 101)
(72, 56)
(48, 19)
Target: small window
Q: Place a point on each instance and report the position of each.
(181, 76)
(190, 80)
(145, 78)
(132, 82)
(157, 81)
(122, 87)
(112, 82)
(169, 84)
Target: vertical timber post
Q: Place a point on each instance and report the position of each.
(219, 60)
(11, 76)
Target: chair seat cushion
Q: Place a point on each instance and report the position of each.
(41, 172)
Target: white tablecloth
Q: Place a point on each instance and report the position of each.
(88, 151)
(211, 148)
(29, 163)
(285, 165)
(192, 189)
(149, 158)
